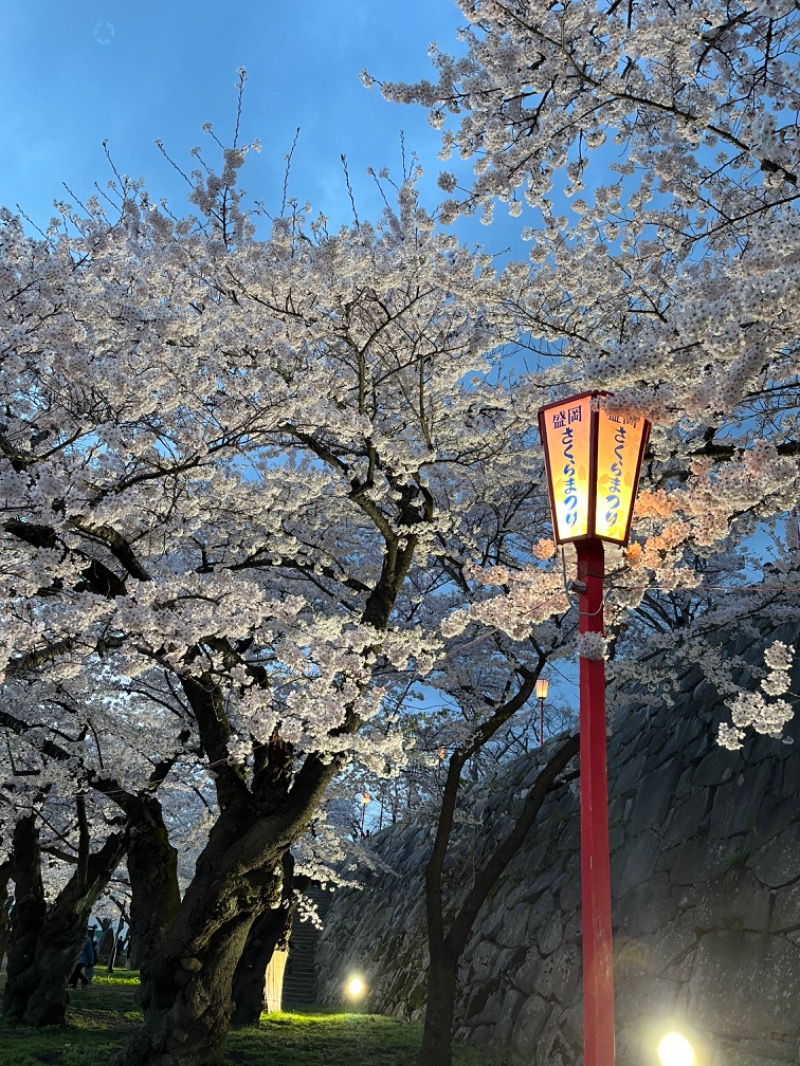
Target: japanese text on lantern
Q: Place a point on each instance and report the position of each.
(567, 430)
(619, 437)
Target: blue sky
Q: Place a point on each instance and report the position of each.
(75, 73)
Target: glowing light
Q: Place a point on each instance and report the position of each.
(593, 459)
(675, 1050)
(355, 986)
(542, 685)
(565, 429)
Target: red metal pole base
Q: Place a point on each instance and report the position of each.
(598, 973)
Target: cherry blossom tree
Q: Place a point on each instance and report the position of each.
(449, 923)
(652, 151)
(64, 845)
(90, 800)
(229, 461)
(46, 934)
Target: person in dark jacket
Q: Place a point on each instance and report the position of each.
(86, 960)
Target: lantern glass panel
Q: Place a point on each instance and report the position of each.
(567, 430)
(619, 440)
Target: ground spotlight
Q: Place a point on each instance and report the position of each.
(355, 987)
(675, 1050)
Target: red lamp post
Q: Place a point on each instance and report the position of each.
(593, 459)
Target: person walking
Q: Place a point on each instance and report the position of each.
(86, 961)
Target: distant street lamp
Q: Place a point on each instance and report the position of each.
(365, 798)
(593, 459)
(441, 754)
(542, 685)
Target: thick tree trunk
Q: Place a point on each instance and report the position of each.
(187, 986)
(248, 979)
(134, 959)
(187, 997)
(437, 1035)
(29, 914)
(189, 1007)
(46, 941)
(155, 894)
(36, 994)
(269, 931)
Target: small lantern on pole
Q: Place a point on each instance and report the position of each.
(441, 755)
(365, 798)
(542, 685)
(593, 459)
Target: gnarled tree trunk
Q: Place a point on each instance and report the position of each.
(187, 994)
(189, 1005)
(153, 873)
(29, 914)
(187, 988)
(46, 940)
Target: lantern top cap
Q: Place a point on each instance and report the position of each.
(592, 394)
(580, 395)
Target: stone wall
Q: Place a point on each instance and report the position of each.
(705, 867)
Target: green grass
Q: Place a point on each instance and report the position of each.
(333, 1040)
(99, 1019)
(102, 1016)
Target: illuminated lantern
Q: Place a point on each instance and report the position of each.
(593, 460)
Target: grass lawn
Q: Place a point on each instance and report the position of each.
(102, 1016)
